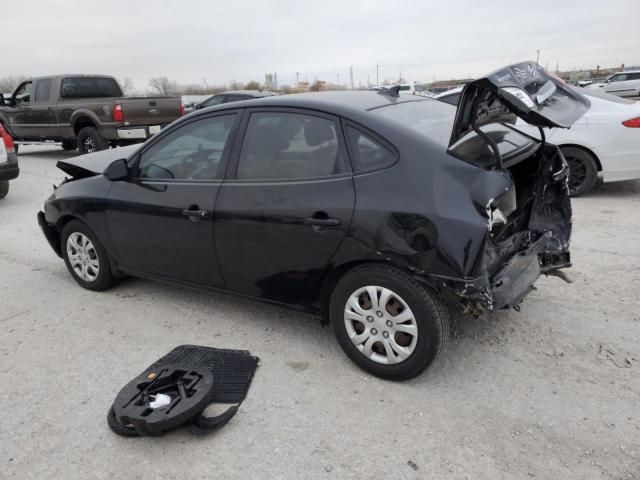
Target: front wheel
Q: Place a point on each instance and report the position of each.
(387, 323)
(85, 257)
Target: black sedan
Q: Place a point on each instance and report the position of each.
(373, 210)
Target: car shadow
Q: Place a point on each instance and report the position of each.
(53, 153)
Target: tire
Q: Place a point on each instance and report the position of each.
(583, 170)
(89, 141)
(410, 353)
(69, 144)
(4, 188)
(90, 266)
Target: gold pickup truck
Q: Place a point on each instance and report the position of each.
(88, 112)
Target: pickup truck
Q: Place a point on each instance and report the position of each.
(88, 112)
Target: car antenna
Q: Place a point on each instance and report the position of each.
(391, 91)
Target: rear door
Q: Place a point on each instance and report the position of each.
(287, 206)
(161, 220)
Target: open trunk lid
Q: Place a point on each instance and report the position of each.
(522, 90)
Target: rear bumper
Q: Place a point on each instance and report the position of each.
(508, 286)
(139, 132)
(50, 233)
(9, 169)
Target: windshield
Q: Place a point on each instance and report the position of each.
(434, 120)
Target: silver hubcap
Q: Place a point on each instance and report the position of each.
(381, 325)
(83, 257)
(89, 146)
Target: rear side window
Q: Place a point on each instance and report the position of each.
(279, 145)
(89, 87)
(43, 90)
(368, 153)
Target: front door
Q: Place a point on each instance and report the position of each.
(161, 220)
(282, 216)
(18, 114)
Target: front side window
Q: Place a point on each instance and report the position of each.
(89, 87)
(193, 151)
(279, 145)
(43, 90)
(23, 93)
(368, 153)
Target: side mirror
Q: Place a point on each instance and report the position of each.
(117, 170)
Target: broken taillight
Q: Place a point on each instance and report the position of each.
(633, 123)
(118, 113)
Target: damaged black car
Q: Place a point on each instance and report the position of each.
(371, 209)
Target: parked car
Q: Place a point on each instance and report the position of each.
(8, 162)
(87, 112)
(605, 140)
(373, 210)
(622, 84)
(234, 96)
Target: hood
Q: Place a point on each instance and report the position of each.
(93, 164)
(522, 90)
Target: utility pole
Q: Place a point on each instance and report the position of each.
(368, 82)
(400, 78)
(351, 76)
(377, 75)
(538, 56)
(338, 75)
(297, 80)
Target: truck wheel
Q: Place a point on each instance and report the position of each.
(4, 188)
(89, 141)
(386, 322)
(69, 144)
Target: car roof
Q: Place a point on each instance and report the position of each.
(253, 93)
(343, 102)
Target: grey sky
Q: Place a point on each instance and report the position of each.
(219, 41)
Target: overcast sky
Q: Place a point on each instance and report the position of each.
(192, 40)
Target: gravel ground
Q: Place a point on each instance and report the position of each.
(551, 392)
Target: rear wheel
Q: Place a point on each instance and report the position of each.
(85, 257)
(387, 323)
(583, 170)
(89, 141)
(4, 188)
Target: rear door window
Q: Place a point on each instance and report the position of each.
(43, 91)
(89, 87)
(284, 145)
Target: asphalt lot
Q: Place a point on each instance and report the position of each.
(550, 392)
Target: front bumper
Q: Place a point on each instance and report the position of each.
(9, 169)
(50, 233)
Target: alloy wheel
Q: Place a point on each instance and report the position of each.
(89, 145)
(83, 257)
(381, 325)
(577, 172)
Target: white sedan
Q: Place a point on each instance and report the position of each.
(606, 139)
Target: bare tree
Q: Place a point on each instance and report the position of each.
(252, 85)
(127, 85)
(9, 83)
(163, 86)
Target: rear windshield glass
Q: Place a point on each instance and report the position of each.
(434, 119)
(89, 87)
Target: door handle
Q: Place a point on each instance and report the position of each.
(322, 222)
(194, 213)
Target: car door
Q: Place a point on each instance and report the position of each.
(161, 220)
(619, 85)
(287, 205)
(18, 112)
(41, 117)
